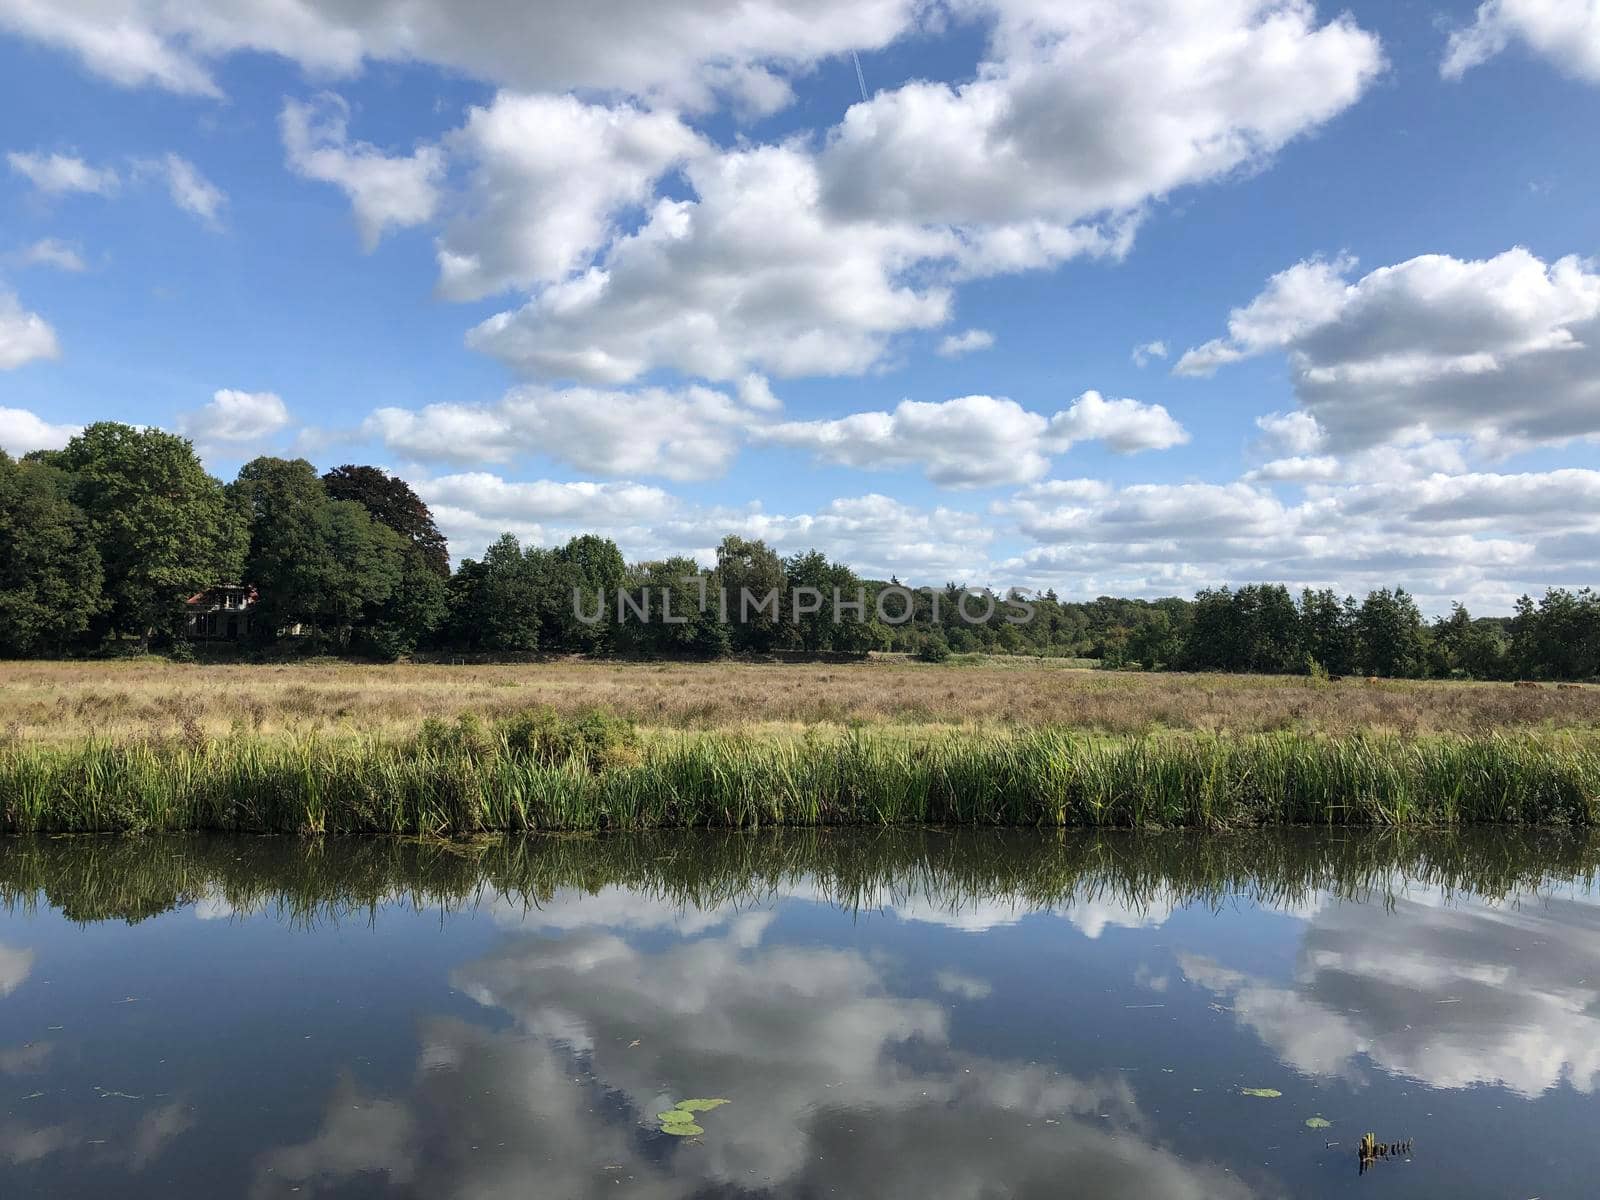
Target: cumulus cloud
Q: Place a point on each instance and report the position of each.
(1505, 350)
(22, 431)
(236, 417)
(1090, 108)
(52, 252)
(1125, 426)
(753, 275)
(687, 433)
(1289, 433)
(1566, 32)
(24, 336)
(877, 535)
(978, 441)
(965, 342)
(386, 191)
(56, 174)
(685, 53)
(972, 441)
(548, 175)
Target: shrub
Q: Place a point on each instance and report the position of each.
(597, 739)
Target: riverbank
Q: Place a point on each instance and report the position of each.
(540, 771)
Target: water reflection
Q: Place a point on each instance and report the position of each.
(1448, 991)
(916, 1014)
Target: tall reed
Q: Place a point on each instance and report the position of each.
(472, 779)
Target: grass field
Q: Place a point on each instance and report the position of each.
(67, 702)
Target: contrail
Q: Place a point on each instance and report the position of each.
(860, 78)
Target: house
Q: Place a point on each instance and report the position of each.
(223, 613)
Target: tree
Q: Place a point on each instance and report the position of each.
(50, 578)
(1390, 629)
(1327, 630)
(595, 568)
(364, 561)
(751, 565)
(289, 561)
(163, 528)
(1462, 646)
(504, 604)
(391, 502)
(413, 613)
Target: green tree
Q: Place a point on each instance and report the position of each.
(1390, 629)
(364, 561)
(391, 502)
(289, 561)
(50, 578)
(163, 528)
(751, 565)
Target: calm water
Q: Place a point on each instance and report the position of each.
(912, 1015)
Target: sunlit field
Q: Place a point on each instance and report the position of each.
(53, 702)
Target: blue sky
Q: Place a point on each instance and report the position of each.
(659, 271)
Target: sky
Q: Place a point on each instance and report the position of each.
(1117, 297)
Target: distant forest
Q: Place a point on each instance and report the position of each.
(103, 543)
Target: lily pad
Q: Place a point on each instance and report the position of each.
(698, 1106)
(1263, 1093)
(675, 1116)
(681, 1128)
(1318, 1123)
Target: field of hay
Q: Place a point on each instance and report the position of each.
(42, 702)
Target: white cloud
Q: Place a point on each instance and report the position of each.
(1098, 107)
(683, 53)
(1147, 351)
(236, 417)
(51, 252)
(978, 441)
(875, 534)
(965, 342)
(474, 508)
(59, 173)
(549, 174)
(1125, 426)
(684, 434)
(752, 276)
(24, 336)
(1566, 32)
(756, 391)
(22, 431)
(190, 190)
(1504, 350)
(973, 441)
(386, 191)
(1290, 433)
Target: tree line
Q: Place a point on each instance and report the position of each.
(103, 542)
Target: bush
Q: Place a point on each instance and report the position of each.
(466, 737)
(934, 649)
(596, 739)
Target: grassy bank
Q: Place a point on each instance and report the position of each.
(68, 702)
(544, 772)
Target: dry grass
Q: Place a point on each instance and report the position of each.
(44, 702)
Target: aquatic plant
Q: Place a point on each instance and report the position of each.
(592, 773)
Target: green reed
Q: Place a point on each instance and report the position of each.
(486, 780)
